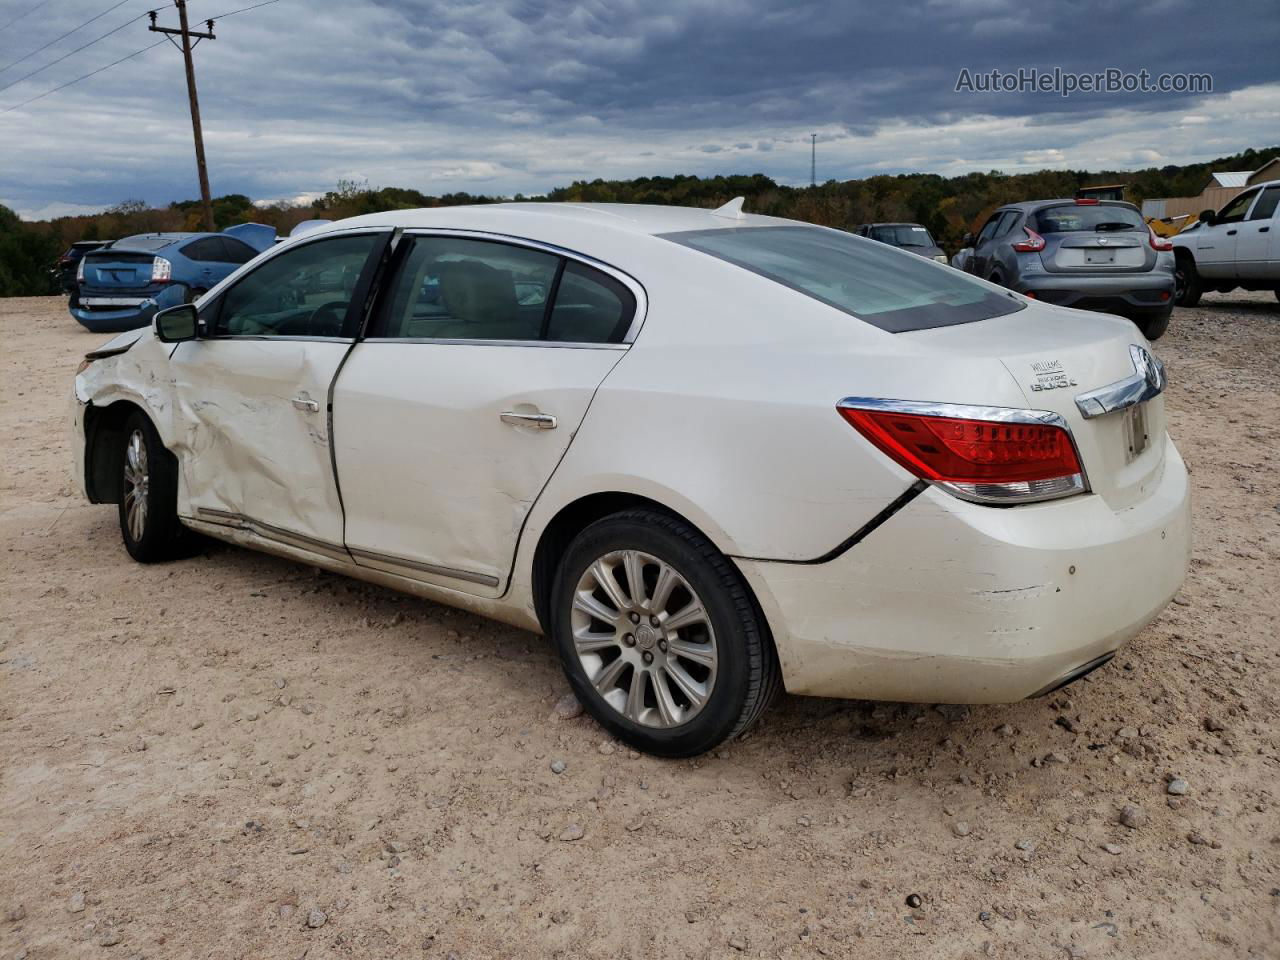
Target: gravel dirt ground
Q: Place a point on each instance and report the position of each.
(235, 756)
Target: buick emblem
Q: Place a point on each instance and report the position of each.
(1148, 367)
(1103, 241)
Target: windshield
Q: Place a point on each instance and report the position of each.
(894, 291)
(903, 235)
(1073, 218)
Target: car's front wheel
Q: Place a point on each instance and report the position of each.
(660, 637)
(149, 521)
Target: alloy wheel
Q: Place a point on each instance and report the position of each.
(644, 638)
(136, 484)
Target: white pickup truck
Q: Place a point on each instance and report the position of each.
(1239, 246)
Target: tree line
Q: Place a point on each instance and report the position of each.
(948, 206)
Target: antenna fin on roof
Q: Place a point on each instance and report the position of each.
(731, 210)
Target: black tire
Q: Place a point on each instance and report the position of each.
(1152, 327)
(1187, 286)
(747, 677)
(193, 294)
(159, 535)
(996, 279)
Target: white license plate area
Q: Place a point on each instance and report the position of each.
(110, 301)
(1099, 256)
(1136, 436)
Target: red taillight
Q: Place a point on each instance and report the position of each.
(161, 270)
(1086, 201)
(1001, 456)
(1033, 244)
(1159, 243)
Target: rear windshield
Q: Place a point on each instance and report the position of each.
(1073, 218)
(902, 236)
(145, 243)
(887, 288)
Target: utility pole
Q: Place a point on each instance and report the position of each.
(184, 31)
(813, 160)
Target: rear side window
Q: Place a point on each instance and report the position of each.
(1088, 218)
(456, 288)
(206, 250)
(235, 251)
(1265, 208)
(590, 307)
(879, 284)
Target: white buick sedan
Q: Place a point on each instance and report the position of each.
(710, 454)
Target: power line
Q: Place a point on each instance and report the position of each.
(23, 14)
(51, 63)
(85, 77)
(223, 16)
(64, 36)
(114, 63)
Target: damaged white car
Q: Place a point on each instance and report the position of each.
(710, 454)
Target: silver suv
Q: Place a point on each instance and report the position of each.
(1084, 253)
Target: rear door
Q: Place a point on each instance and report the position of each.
(254, 394)
(450, 417)
(1216, 244)
(1258, 247)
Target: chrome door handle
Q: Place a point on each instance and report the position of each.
(542, 421)
(302, 403)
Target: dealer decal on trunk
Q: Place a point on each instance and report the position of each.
(1050, 376)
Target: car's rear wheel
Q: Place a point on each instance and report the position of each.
(149, 521)
(660, 637)
(193, 294)
(1187, 287)
(1152, 327)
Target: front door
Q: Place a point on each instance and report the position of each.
(452, 415)
(1216, 243)
(254, 393)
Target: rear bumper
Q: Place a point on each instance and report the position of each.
(1128, 294)
(953, 602)
(105, 318)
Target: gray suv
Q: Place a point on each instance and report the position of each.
(1084, 253)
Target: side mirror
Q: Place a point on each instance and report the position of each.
(177, 323)
(966, 240)
(1208, 217)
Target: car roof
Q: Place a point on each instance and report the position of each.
(522, 217)
(171, 237)
(898, 223)
(1026, 206)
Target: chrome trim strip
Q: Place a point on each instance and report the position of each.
(271, 532)
(961, 411)
(275, 339)
(399, 564)
(1148, 381)
(457, 342)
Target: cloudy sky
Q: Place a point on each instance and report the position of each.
(500, 96)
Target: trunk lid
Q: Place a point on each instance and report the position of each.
(118, 270)
(1098, 253)
(1054, 355)
(1092, 237)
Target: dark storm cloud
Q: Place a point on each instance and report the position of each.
(507, 95)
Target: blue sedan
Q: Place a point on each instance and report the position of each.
(122, 287)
